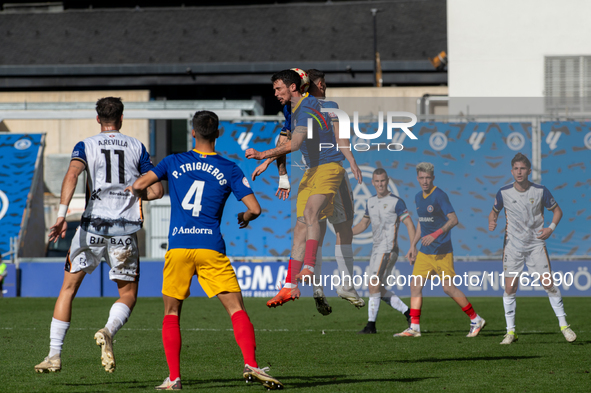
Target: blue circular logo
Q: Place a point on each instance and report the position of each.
(22, 144)
(438, 141)
(515, 141)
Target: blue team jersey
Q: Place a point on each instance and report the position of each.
(432, 212)
(199, 185)
(323, 132)
(287, 123)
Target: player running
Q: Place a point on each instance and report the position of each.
(384, 211)
(107, 229)
(524, 204)
(200, 181)
(436, 219)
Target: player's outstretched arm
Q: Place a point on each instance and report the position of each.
(297, 139)
(68, 186)
(252, 212)
(361, 226)
(345, 148)
(139, 188)
(261, 168)
(492, 220)
(556, 217)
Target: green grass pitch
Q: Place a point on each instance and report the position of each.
(306, 351)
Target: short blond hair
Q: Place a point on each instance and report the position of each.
(426, 167)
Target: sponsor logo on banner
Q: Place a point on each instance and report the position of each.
(515, 141)
(438, 141)
(476, 139)
(587, 141)
(3, 204)
(244, 139)
(22, 144)
(552, 139)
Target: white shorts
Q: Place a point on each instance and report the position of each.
(537, 260)
(120, 252)
(381, 264)
(343, 209)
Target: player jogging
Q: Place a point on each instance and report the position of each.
(107, 229)
(524, 204)
(384, 211)
(200, 181)
(436, 219)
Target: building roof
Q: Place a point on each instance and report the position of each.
(243, 38)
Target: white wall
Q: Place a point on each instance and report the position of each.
(496, 48)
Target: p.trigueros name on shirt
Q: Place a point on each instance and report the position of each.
(426, 219)
(191, 231)
(201, 166)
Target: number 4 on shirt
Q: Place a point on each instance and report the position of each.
(197, 190)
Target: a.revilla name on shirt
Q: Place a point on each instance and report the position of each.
(116, 142)
(201, 166)
(426, 219)
(191, 231)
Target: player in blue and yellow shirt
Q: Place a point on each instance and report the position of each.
(436, 219)
(319, 183)
(200, 181)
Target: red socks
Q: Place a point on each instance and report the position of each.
(293, 269)
(171, 338)
(244, 334)
(469, 311)
(311, 250)
(415, 316)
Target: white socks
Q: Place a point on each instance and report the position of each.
(510, 305)
(57, 333)
(344, 255)
(395, 302)
(118, 315)
(556, 302)
(373, 307)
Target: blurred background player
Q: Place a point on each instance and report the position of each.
(3, 274)
(525, 234)
(200, 181)
(384, 211)
(107, 229)
(436, 219)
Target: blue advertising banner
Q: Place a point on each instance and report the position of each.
(485, 278)
(270, 234)
(566, 172)
(18, 158)
(472, 161)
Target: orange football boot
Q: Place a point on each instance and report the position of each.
(284, 296)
